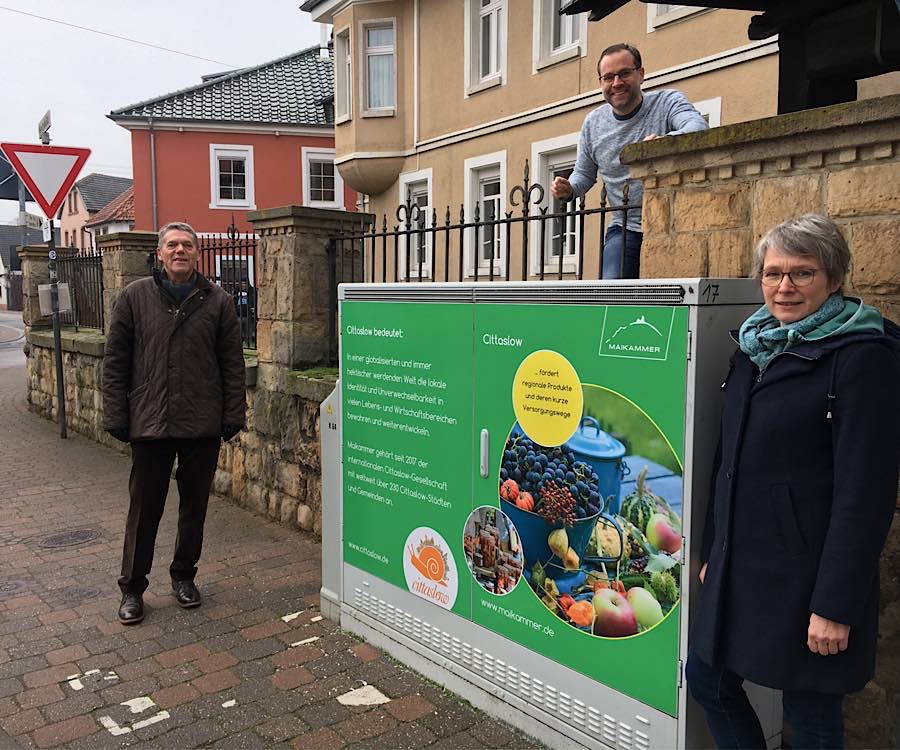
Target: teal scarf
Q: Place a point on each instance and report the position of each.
(763, 337)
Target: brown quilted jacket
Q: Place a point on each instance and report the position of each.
(170, 371)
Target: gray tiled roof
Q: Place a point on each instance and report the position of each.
(98, 190)
(10, 239)
(287, 91)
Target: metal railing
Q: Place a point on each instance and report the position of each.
(229, 260)
(543, 244)
(83, 272)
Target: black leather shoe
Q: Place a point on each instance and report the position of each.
(131, 610)
(186, 594)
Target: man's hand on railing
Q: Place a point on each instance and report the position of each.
(561, 188)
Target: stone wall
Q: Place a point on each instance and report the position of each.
(82, 365)
(274, 467)
(709, 197)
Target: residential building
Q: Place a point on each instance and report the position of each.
(239, 141)
(118, 216)
(87, 197)
(442, 104)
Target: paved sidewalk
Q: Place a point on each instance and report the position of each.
(231, 674)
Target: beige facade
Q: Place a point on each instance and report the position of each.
(456, 119)
(442, 115)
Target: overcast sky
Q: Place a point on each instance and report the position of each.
(81, 76)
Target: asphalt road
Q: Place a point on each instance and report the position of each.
(12, 338)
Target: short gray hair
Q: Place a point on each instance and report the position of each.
(811, 236)
(179, 226)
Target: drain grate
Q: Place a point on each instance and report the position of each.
(76, 594)
(70, 538)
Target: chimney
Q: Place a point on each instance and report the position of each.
(324, 40)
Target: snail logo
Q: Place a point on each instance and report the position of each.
(636, 332)
(430, 568)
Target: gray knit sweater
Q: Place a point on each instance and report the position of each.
(604, 135)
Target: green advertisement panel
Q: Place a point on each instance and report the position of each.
(547, 503)
(406, 381)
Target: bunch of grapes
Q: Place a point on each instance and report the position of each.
(557, 504)
(532, 466)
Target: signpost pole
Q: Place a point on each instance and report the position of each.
(49, 173)
(44, 135)
(57, 339)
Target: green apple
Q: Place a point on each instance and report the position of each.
(646, 609)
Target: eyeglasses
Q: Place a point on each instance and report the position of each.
(801, 277)
(622, 75)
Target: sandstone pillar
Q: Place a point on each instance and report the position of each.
(35, 271)
(298, 268)
(127, 256)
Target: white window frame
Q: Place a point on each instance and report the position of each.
(711, 109)
(658, 14)
(547, 155)
(544, 53)
(406, 181)
(474, 171)
(310, 154)
(343, 76)
(472, 55)
(364, 53)
(231, 151)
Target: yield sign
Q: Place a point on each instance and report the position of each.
(47, 171)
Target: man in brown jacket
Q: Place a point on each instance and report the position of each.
(173, 386)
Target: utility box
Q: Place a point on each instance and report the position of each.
(515, 480)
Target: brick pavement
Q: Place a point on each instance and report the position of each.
(224, 675)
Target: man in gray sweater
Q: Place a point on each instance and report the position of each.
(628, 116)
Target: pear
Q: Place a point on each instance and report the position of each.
(558, 541)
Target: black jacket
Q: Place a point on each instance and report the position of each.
(173, 371)
(800, 511)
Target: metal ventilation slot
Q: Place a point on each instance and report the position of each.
(626, 737)
(409, 293)
(583, 295)
(571, 710)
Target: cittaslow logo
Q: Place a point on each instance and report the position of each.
(429, 567)
(636, 332)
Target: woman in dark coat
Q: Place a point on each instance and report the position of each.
(803, 497)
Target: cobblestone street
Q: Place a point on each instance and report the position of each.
(255, 666)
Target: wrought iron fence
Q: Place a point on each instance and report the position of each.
(541, 241)
(482, 245)
(83, 272)
(229, 260)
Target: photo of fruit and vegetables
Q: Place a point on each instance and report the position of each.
(599, 518)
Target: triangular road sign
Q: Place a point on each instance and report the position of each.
(47, 171)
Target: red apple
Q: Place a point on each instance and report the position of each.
(662, 535)
(614, 617)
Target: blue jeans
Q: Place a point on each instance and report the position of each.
(612, 253)
(816, 718)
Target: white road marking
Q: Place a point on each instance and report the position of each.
(136, 706)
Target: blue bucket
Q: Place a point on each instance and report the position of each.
(533, 531)
(605, 456)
